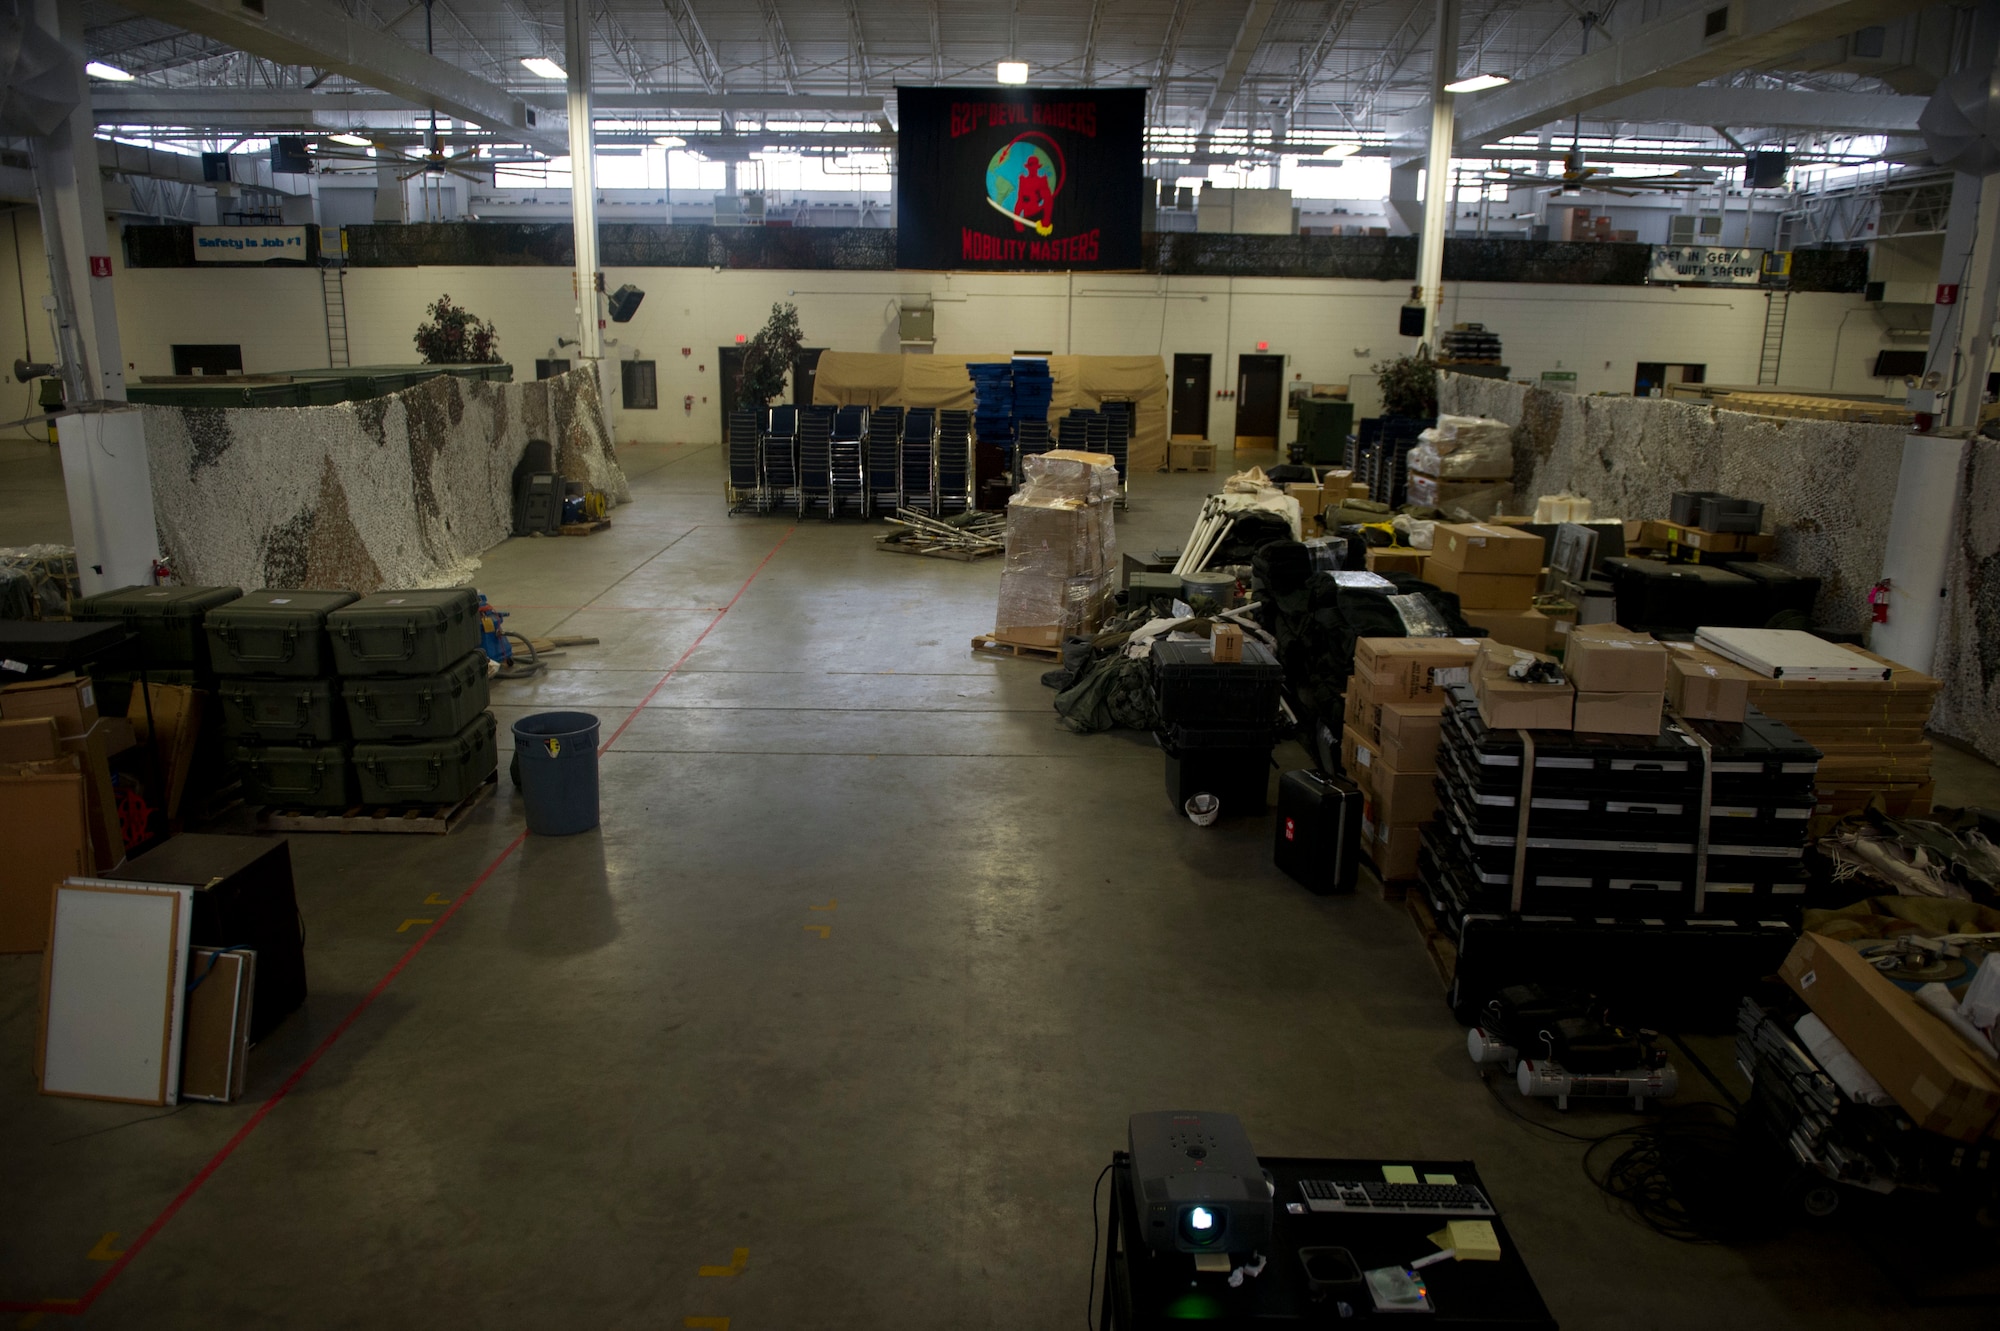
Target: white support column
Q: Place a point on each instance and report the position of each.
(106, 478)
(1925, 516)
(583, 199)
(1437, 171)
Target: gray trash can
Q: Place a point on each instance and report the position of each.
(555, 756)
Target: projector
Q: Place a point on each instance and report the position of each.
(1200, 1188)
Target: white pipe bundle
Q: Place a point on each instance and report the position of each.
(1209, 529)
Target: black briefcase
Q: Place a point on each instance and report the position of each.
(1318, 836)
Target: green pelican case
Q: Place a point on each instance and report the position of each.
(432, 771)
(405, 633)
(168, 621)
(274, 633)
(285, 711)
(404, 707)
(292, 776)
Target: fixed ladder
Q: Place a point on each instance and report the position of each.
(333, 293)
(1774, 336)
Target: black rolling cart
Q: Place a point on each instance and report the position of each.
(1142, 1287)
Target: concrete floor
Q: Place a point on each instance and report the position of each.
(861, 976)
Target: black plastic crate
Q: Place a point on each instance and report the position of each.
(1638, 814)
(1194, 691)
(1568, 760)
(1781, 588)
(1652, 596)
(1237, 775)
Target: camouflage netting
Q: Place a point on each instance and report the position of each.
(1827, 486)
(1968, 651)
(399, 491)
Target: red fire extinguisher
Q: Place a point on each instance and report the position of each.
(1878, 602)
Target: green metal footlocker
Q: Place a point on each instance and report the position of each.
(405, 633)
(274, 633)
(434, 771)
(405, 707)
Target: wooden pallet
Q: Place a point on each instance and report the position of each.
(992, 646)
(421, 820)
(586, 528)
(1443, 952)
(963, 556)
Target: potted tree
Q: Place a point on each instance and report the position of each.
(455, 335)
(768, 358)
(1409, 386)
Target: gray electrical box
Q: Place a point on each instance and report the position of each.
(917, 324)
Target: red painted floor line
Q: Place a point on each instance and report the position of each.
(216, 1161)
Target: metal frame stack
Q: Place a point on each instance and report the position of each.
(747, 493)
(849, 476)
(883, 457)
(954, 462)
(779, 451)
(917, 460)
(815, 454)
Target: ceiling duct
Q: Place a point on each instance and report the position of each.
(38, 79)
(1961, 123)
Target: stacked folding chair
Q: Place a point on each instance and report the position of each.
(850, 493)
(954, 462)
(815, 460)
(919, 456)
(781, 461)
(746, 486)
(884, 460)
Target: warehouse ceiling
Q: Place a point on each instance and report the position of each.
(1231, 79)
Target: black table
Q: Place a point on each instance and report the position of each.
(1143, 1287)
(243, 897)
(58, 645)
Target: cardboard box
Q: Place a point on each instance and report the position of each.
(1411, 669)
(1358, 490)
(1225, 644)
(1358, 756)
(1482, 547)
(1606, 658)
(1391, 848)
(1409, 733)
(1311, 498)
(69, 699)
(1512, 704)
(1402, 799)
(1362, 713)
(44, 824)
(1667, 535)
(1527, 629)
(1636, 713)
(1704, 686)
(93, 750)
(33, 739)
(1396, 559)
(1934, 1076)
(1190, 456)
(1483, 591)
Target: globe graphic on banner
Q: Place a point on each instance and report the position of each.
(1023, 180)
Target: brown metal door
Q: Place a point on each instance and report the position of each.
(1191, 394)
(1260, 384)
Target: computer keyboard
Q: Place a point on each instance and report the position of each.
(1380, 1198)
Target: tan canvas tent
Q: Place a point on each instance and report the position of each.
(852, 378)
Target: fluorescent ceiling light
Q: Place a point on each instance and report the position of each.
(1477, 83)
(351, 140)
(542, 65)
(97, 69)
(1342, 150)
(671, 141)
(1013, 71)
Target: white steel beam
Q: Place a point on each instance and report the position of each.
(181, 106)
(1677, 51)
(296, 32)
(1767, 108)
(1249, 37)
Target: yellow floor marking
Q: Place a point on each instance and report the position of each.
(707, 1323)
(29, 1320)
(407, 925)
(104, 1252)
(821, 929)
(738, 1259)
(828, 906)
(435, 900)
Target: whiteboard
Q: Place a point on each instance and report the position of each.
(114, 991)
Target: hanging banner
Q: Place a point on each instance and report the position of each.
(1019, 179)
(1706, 265)
(255, 244)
